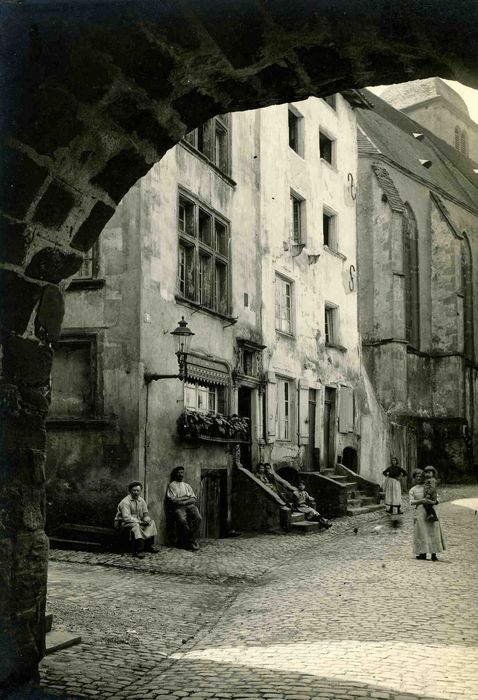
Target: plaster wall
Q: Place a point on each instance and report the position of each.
(91, 458)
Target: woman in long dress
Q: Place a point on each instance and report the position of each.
(393, 487)
(427, 535)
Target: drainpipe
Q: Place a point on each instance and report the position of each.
(145, 465)
(298, 415)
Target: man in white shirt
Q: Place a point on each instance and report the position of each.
(185, 511)
(133, 518)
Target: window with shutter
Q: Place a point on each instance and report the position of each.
(346, 410)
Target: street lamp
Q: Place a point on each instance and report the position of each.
(182, 335)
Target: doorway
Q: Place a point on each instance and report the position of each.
(244, 410)
(329, 427)
(313, 452)
(214, 503)
(349, 459)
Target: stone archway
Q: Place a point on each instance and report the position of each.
(95, 95)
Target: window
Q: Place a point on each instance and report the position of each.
(331, 325)
(283, 305)
(203, 256)
(464, 143)
(205, 399)
(411, 274)
(212, 139)
(327, 148)
(89, 268)
(329, 226)
(73, 378)
(297, 218)
(331, 101)
(284, 409)
(296, 130)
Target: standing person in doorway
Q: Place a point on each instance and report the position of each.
(427, 534)
(185, 511)
(393, 488)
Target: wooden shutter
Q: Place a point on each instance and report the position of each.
(303, 413)
(346, 409)
(271, 407)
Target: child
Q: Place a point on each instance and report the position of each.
(430, 491)
(306, 504)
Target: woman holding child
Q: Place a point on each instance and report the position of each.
(427, 534)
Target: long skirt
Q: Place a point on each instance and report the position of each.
(393, 492)
(427, 535)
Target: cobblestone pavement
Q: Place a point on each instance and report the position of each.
(334, 615)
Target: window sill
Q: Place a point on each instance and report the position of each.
(199, 307)
(291, 336)
(332, 166)
(336, 346)
(297, 153)
(78, 423)
(334, 252)
(85, 283)
(195, 152)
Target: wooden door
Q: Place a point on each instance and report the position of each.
(214, 503)
(312, 451)
(329, 427)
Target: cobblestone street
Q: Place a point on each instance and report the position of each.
(331, 615)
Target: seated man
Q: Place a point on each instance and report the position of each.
(306, 504)
(186, 514)
(133, 518)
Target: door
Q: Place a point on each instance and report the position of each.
(329, 427)
(313, 461)
(214, 503)
(244, 410)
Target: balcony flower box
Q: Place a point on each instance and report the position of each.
(213, 427)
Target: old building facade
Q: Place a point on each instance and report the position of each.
(247, 229)
(418, 248)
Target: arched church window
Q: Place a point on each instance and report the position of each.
(467, 291)
(411, 274)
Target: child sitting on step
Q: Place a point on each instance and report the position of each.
(306, 504)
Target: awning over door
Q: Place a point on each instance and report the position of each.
(204, 371)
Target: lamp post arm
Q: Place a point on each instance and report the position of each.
(153, 377)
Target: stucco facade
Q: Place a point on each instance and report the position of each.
(418, 246)
(258, 252)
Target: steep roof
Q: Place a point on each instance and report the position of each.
(391, 133)
(406, 95)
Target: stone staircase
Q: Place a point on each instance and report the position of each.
(298, 523)
(360, 499)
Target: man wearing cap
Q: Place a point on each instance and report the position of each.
(183, 501)
(133, 518)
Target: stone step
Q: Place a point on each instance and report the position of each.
(57, 640)
(80, 545)
(48, 622)
(305, 526)
(364, 509)
(297, 517)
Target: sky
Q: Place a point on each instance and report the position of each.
(469, 95)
